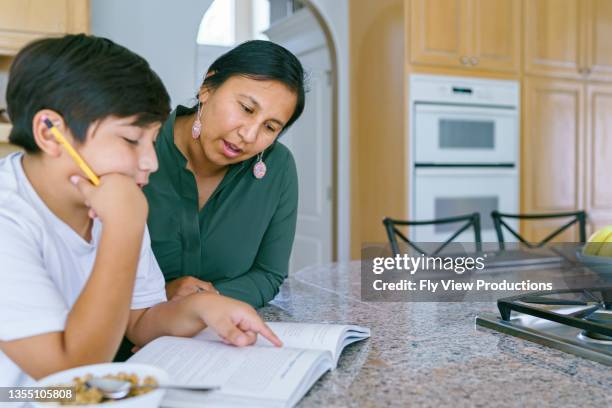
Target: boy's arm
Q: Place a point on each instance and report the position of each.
(234, 321)
(97, 321)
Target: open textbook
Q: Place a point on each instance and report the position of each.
(259, 375)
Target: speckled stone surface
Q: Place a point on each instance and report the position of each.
(431, 354)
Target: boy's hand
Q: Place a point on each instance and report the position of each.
(236, 322)
(187, 285)
(117, 200)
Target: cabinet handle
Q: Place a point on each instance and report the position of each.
(587, 71)
(464, 60)
(474, 61)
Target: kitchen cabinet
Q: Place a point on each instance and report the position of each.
(22, 21)
(553, 37)
(568, 38)
(552, 152)
(598, 58)
(496, 34)
(432, 45)
(567, 146)
(598, 155)
(475, 35)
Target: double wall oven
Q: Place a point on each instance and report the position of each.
(463, 153)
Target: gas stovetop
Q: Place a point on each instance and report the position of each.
(577, 321)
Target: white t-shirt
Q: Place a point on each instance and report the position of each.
(44, 265)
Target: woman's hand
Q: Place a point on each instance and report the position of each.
(236, 322)
(186, 286)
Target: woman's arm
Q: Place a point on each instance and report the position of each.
(261, 283)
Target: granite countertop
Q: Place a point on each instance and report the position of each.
(431, 354)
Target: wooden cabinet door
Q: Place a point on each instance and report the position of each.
(438, 32)
(552, 149)
(598, 24)
(39, 16)
(496, 34)
(553, 41)
(22, 21)
(598, 154)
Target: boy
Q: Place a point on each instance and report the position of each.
(76, 269)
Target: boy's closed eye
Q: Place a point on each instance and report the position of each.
(246, 108)
(136, 142)
(130, 141)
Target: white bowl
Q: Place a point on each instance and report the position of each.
(150, 399)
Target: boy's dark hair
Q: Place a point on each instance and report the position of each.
(83, 78)
(262, 60)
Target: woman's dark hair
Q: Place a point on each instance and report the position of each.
(261, 60)
(83, 78)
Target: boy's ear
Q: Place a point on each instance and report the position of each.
(42, 134)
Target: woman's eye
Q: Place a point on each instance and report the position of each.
(130, 141)
(271, 128)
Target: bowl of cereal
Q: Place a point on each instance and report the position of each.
(71, 387)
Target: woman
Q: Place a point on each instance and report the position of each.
(223, 204)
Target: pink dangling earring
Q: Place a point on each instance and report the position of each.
(259, 169)
(196, 128)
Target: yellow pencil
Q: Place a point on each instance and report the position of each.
(78, 160)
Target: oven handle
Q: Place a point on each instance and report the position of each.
(466, 165)
(505, 172)
(464, 109)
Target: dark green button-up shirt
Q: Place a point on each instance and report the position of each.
(241, 239)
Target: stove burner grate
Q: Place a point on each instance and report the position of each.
(595, 319)
(601, 316)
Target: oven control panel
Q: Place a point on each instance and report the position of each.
(458, 90)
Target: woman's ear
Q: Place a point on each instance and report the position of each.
(204, 94)
(43, 137)
(205, 90)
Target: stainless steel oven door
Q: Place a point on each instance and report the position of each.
(465, 135)
(447, 192)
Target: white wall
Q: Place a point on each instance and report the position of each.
(206, 55)
(164, 34)
(162, 31)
